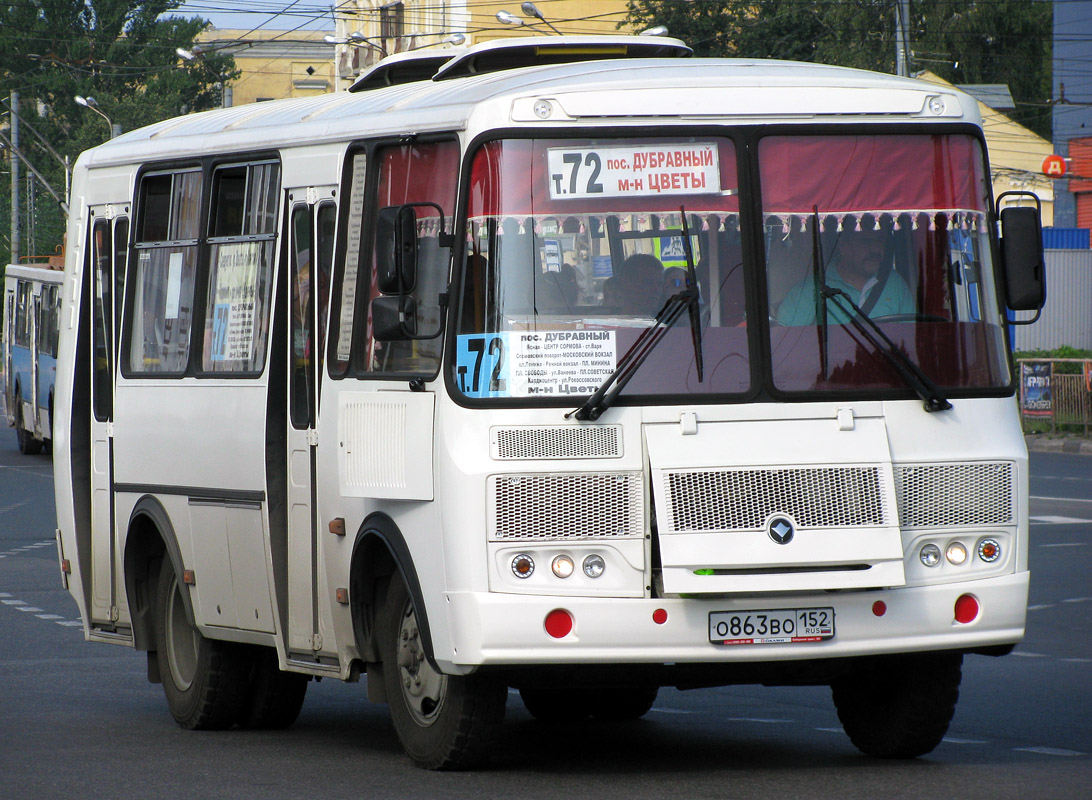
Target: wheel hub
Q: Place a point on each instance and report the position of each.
(422, 686)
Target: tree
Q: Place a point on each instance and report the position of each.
(963, 41)
(120, 52)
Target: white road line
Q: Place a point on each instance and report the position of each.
(955, 740)
(672, 711)
(13, 602)
(758, 719)
(1061, 499)
(1077, 600)
(1040, 607)
(1023, 654)
(1076, 660)
(27, 608)
(1055, 520)
(70, 623)
(49, 616)
(1049, 751)
(1066, 544)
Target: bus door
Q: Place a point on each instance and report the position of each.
(9, 333)
(108, 251)
(312, 220)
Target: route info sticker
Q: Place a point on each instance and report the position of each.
(532, 364)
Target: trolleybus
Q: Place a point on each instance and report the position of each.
(32, 306)
(575, 366)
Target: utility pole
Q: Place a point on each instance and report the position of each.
(15, 211)
(902, 26)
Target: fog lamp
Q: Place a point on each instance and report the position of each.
(956, 553)
(930, 555)
(594, 566)
(989, 550)
(523, 565)
(562, 566)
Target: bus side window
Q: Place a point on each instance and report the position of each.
(416, 174)
(242, 233)
(161, 314)
(102, 312)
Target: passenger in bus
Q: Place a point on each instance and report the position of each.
(860, 267)
(640, 280)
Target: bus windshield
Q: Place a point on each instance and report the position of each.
(892, 227)
(573, 246)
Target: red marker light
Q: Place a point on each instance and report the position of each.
(966, 609)
(659, 616)
(559, 623)
(879, 608)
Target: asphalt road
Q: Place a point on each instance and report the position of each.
(80, 720)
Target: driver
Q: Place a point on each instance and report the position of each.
(860, 268)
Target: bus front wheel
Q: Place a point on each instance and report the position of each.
(899, 706)
(204, 680)
(442, 721)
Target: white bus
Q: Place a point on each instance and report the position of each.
(574, 368)
(32, 305)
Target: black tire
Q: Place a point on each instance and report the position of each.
(624, 703)
(442, 721)
(899, 706)
(28, 445)
(557, 705)
(276, 697)
(204, 680)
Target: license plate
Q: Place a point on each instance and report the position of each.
(780, 626)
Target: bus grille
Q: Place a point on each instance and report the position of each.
(943, 495)
(744, 499)
(569, 441)
(587, 505)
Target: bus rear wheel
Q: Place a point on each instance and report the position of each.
(204, 680)
(276, 697)
(899, 706)
(442, 721)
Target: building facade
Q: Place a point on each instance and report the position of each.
(273, 64)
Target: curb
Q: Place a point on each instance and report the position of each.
(1040, 443)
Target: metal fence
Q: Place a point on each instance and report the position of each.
(1055, 395)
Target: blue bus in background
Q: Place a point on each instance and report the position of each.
(32, 305)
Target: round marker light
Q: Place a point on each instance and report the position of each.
(966, 609)
(989, 550)
(559, 623)
(563, 566)
(930, 555)
(523, 565)
(594, 566)
(937, 105)
(956, 553)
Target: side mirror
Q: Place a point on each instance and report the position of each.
(396, 250)
(1022, 256)
(394, 319)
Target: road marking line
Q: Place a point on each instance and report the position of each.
(955, 740)
(672, 711)
(1040, 607)
(830, 730)
(1061, 499)
(70, 623)
(49, 616)
(758, 719)
(1077, 600)
(1049, 751)
(1066, 544)
(1030, 655)
(27, 608)
(13, 602)
(1055, 520)
(4, 594)
(1077, 660)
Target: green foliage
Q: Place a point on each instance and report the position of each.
(1065, 351)
(120, 52)
(963, 41)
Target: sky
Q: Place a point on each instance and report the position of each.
(255, 14)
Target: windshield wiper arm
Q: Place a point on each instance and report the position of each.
(910, 372)
(601, 398)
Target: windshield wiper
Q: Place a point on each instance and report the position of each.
(688, 298)
(910, 372)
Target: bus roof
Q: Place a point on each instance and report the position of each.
(644, 90)
(36, 272)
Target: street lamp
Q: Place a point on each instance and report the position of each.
(89, 102)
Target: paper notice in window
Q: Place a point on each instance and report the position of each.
(234, 302)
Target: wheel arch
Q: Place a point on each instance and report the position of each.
(380, 552)
(149, 541)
